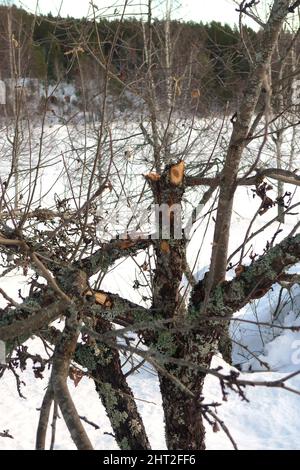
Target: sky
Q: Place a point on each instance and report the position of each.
(196, 10)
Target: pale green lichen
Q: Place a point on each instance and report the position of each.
(109, 395)
(85, 356)
(103, 354)
(110, 400)
(118, 417)
(135, 427)
(124, 444)
(165, 343)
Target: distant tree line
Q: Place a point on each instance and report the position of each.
(211, 56)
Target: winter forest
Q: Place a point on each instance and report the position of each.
(150, 227)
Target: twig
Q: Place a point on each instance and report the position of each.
(53, 425)
(89, 422)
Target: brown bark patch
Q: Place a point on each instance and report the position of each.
(195, 93)
(164, 246)
(239, 270)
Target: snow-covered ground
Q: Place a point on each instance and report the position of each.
(271, 417)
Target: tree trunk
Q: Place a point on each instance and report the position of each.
(104, 366)
(183, 418)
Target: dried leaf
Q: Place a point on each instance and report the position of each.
(75, 375)
(216, 427)
(145, 266)
(239, 270)
(6, 433)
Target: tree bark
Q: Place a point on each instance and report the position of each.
(104, 365)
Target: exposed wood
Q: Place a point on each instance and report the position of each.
(177, 173)
(101, 298)
(152, 177)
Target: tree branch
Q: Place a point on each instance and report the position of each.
(63, 354)
(109, 253)
(29, 317)
(285, 176)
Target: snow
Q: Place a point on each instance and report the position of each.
(269, 420)
(20, 416)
